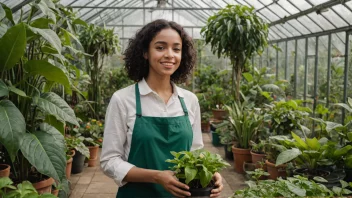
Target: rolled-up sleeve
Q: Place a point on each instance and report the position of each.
(112, 160)
(197, 131)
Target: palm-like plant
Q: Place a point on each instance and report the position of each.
(245, 123)
(236, 32)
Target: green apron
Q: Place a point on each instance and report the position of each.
(152, 140)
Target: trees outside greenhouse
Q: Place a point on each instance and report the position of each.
(273, 80)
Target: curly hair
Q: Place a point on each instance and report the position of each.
(137, 66)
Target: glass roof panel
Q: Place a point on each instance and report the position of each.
(333, 17)
(279, 11)
(289, 7)
(293, 30)
(344, 12)
(323, 23)
(298, 26)
(268, 14)
(255, 3)
(317, 2)
(278, 32)
(309, 24)
(301, 5)
(266, 2)
(282, 29)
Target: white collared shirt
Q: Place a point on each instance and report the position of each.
(121, 115)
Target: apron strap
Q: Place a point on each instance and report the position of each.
(183, 106)
(138, 102)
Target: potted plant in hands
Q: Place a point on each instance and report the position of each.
(196, 169)
(245, 123)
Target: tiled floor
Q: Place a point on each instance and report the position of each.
(92, 183)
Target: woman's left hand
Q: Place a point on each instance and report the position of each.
(218, 185)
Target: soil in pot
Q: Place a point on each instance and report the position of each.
(78, 163)
(241, 156)
(5, 170)
(275, 171)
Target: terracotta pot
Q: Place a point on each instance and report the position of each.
(241, 156)
(44, 186)
(205, 127)
(219, 114)
(256, 158)
(69, 168)
(5, 170)
(92, 162)
(275, 171)
(55, 192)
(93, 151)
(72, 153)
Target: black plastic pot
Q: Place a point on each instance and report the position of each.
(333, 177)
(78, 163)
(348, 177)
(200, 192)
(228, 153)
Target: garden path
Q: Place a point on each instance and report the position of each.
(92, 183)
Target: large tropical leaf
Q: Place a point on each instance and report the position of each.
(49, 36)
(12, 127)
(45, 150)
(53, 104)
(12, 46)
(332, 125)
(49, 71)
(8, 13)
(287, 156)
(51, 120)
(45, 8)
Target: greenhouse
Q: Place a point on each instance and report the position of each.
(175, 98)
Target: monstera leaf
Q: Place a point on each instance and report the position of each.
(45, 150)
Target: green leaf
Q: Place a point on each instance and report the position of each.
(296, 189)
(49, 36)
(205, 177)
(300, 143)
(349, 136)
(5, 181)
(13, 126)
(46, 10)
(248, 77)
(4, 90)
(51, 120)
(2, 13)
(80, 22)
(287, 156)
(342, 151)
(17, 91)
(49, 50)
(332, 125)
(8, 13)
(190, 173)
(41, 23)
(49, 71)
(68, 35)
(13, 45)
(345, 106)
(45, 150)
(313, 143)
(320, 179)
(54, 105)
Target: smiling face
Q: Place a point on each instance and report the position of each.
(164, 53)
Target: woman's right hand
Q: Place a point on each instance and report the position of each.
(171, 184)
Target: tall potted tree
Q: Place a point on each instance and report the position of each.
(236, 32)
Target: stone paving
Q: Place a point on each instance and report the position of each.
(92, 183)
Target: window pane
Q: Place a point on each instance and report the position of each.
(289, 7)
(300, 67)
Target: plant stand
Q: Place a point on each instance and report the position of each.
(241, 156)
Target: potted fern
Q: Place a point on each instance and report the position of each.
(196, 169)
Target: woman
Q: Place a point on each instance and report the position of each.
(145, 121)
